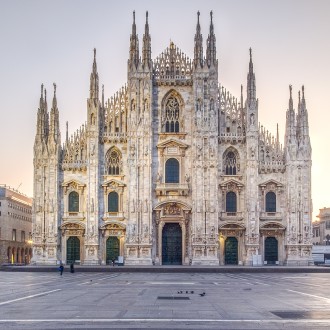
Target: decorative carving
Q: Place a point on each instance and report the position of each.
(172, 209)
(172, 65)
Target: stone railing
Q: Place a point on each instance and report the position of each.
(176, 189)
(231, 216)
(271, 216)
(114, 137)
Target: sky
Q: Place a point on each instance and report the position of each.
(45, 41)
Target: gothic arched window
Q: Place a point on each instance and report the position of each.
(73, 201)
(113, 162)
(230, 163)
(270, 202)
(172, 115)
(172, 171)
(113, 202)
(231, 202)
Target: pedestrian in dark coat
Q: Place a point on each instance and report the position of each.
(61, 268)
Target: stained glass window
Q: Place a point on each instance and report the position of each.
(172, 115)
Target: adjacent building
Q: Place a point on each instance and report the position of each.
(173, 170)
(15, 226)
(321, 228)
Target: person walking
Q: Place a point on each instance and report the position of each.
(61, 268)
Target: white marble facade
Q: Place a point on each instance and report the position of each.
(172, 153)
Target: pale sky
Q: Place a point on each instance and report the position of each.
(52, 41)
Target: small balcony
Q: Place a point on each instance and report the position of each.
(113, 216)
(74, 216)
(231, 216)
(271, 216)
(172, 189)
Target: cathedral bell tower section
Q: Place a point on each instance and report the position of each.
(93, 202)
(252, 134)
(298, 175)
(47, 150)
(139, 133)
(205, 151)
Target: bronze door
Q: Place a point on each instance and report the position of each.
(72, 250)
(172, 244)
(231, 251)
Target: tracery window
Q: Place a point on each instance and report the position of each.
(270, 202)
(172, 115)
(172, 171)
(231, 202)
(113, 162)
(113, 202)
(230, 164)
(73, 201)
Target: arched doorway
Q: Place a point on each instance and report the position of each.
(271, 250)
(112, 248)
(72, 250)
(13, 255)
(9, 254)
(172, 244)
(231, 251)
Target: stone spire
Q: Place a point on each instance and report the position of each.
(94, 80)
(40, 116)
(42, 119)
(290, 127)
(146, 56)
(304, 125)
(211, 46)
(134, 47)
(46, 116)
(54, 119)
(198, 50)
(251, 83)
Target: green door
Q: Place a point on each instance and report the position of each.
(231, 251)
(72, 250)
(112, 249)
(271, 250)
(172, 244)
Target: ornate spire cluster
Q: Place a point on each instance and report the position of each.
(115, 116)
(271, 156)
(74, 155)
(232, 115)
(134, 61)
(199, 60)
(172, 65)
(48, 128)
(297, 141)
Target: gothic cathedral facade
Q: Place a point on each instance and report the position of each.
(172, 170)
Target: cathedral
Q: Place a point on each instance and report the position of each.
(172, 170)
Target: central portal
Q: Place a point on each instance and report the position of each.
(172, 244)
(112, 249)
